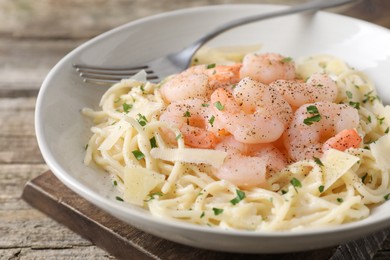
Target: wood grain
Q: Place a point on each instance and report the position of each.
(26, 232)
(26, 62)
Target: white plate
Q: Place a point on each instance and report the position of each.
(62, 131)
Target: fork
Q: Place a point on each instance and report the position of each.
(173, 63)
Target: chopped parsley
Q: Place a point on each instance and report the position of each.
(142, 119)
(219, 106)
(340, 200)
(187, 114)
(369, 119)
(86, 147)
(151, 196)
(296, 183)
(311, 120)
(178, 137)
(381, 119)
(318, 161)
(115, 183)
(118, 198)
(283, 192)
(205, 105)
(287, 59)
(386, 197)
(211, 120)
(217, 211)
(240, 196)
(138, 154)
(127, 107)
(202, 215)
(387, 130)
(368, 97)
(321, 188)
(313, 110)
(210, 66)
(349, 94)
(153, 142)
(354, 104)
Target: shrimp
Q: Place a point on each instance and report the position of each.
(347, 138)
(267, 67)
(249, 165)
(253, 113)
(192, 118)
(184, 86)
(319, 87)
(199, 81)
(315, 123)
(219, 75)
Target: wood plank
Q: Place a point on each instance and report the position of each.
(17, 116)
(25, 64)
(14, 177)
(375, 11)
(364, 248)
(28, 233)
(384, 253)
(75, 252)
(19, 149)
(18, 143)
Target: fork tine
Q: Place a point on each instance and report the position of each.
(88, 67)
(114, 76)
(105, 82)
(109, 82)
(111, 75)
(110, 79)
(105, 76)
(112, 72)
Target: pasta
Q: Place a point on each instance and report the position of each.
(176, 181)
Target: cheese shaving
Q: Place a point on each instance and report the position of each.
(190, 155)
(336, 164)
(139, 182)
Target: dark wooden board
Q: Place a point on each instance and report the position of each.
(50, 196)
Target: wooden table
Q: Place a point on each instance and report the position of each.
(34, 35)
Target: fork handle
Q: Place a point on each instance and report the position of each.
(313, 5)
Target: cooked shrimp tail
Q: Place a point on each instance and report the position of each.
(347, 138)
